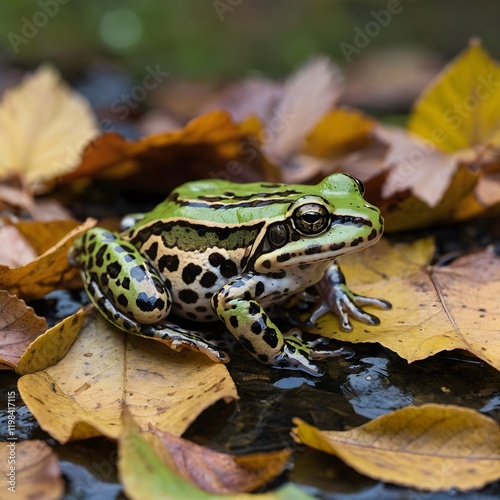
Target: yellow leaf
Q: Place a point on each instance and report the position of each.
(434, 309)
(49, 348)
(106, 371)
(44, 127)
(459, 110)
(46, 273)
(337, 132)
(19, 325)
(36, 471)
(430, 447)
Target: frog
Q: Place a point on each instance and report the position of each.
(218, 251)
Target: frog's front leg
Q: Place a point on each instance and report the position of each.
(335, 296)
(237, 306)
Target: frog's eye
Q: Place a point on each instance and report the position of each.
(311, 218)
(278, 235)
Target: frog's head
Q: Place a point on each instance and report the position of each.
(329, 219)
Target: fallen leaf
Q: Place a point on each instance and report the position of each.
(338, 132)
(36, 471)
(434, 308)
(44, 127)
(50, 347)
(308, 95)
(107, 370)
(221, 472)
(16, 250)
(209, 140)
(42, 235)
(459, 110)
(416, 165)
(46, 273)
(146, 470)
(405, 211)
(19, 326)
(430, 447)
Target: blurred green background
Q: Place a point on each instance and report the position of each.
(226, 38)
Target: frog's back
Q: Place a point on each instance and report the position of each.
(226, 203)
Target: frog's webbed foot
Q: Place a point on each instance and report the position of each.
(297, 353)
(335, 296)
(177, 338)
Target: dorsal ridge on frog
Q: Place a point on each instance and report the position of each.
(215, 249)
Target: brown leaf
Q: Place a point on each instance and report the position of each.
(430, 447)
(15, 251)
(36, 471)
(221, 472)
(46, 273)
(208, 140)
(19, 326)
(107, 370)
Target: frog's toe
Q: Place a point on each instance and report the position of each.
(292, 358)
(363, 300)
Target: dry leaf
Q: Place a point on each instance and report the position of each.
(459, 110)
(46, 273)
(146, 471)
(49, 348)
(107, 370)
(44, 127)
(205, 143)
(16, 250)
(221, 472)
(430, 447)
(416, 165)
(19, 326)
(434, 309)
(37, 474)
(308, 95)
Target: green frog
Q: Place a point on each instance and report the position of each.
(217, 250)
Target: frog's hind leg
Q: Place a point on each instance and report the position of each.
(167, 332)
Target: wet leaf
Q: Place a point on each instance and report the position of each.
(434, 308)
(221, 472)
(107, 370)
(49, 348)
(19, 326)
(459, 110)
(46, 273)
(430, 447)
(147, 470)
(37, 472)
(44, 127)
